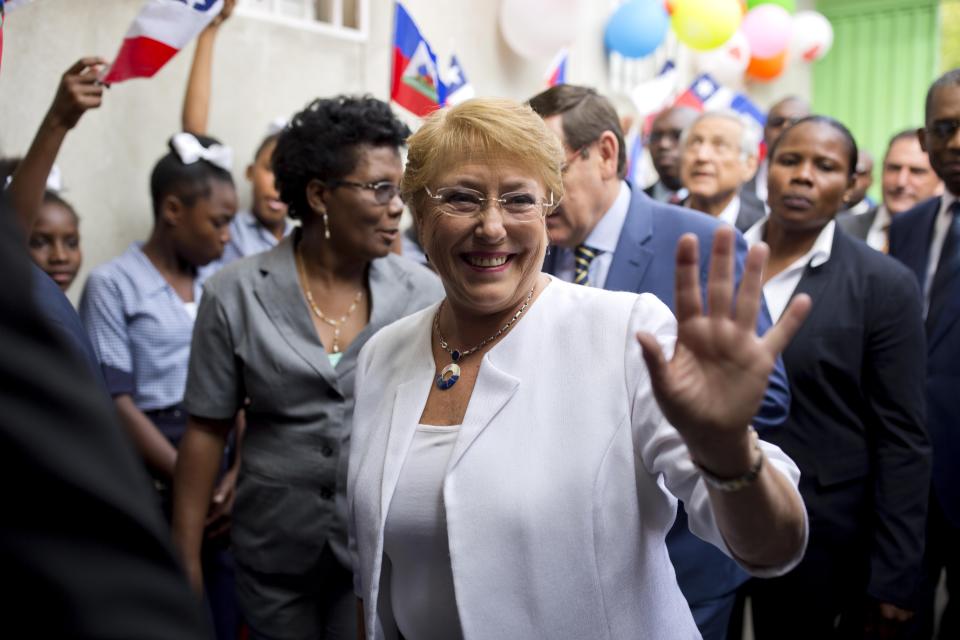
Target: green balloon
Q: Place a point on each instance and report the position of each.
(789, 5)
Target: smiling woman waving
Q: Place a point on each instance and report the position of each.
(516, 455)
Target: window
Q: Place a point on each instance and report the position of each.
(344, 18)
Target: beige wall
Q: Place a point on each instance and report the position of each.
(262, 70)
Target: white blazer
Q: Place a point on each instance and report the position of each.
(560, 489)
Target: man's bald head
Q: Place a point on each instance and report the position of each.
(783, 114)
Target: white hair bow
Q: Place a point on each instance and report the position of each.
(276, 126)
(190, 150)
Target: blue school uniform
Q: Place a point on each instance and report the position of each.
(141, 332)
(248, 237)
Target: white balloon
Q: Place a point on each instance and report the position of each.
(727, 62)
(539, 28)
(812, 36)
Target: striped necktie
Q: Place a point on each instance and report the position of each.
(582, 257)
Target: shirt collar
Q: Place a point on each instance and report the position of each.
(883, 218)
(818, 254)
(606, 234)
(731, 211)
(947, 201)
(151, 281)
(663, 194)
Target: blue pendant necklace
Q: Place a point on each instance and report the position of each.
(449, 375)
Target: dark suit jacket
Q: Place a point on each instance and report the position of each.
(84, 549)
(910, 236)
(751, 212)
(856, 425)
(857, 226)
(644, 262)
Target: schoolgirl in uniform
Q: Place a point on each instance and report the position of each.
(139, 310)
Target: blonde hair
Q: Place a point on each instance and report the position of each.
(486, 129)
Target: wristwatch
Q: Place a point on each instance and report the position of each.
(729, 485)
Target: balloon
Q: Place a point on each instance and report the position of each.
(705, 24)
(727, 62)
(767, 29)
(637, 28)
(812, 36)
(668, 6)
(789, 5)
(767, 69)
(539, 28)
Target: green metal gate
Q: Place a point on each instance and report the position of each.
(874, 80)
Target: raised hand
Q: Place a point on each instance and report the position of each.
(225, 13)
(79, 91)
(713, 385)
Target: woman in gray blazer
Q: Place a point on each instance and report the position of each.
(277, 336)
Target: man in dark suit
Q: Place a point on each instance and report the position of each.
(782, 114)
(664, 145)
(628, 242)
(927, 240)
(907, 179)
(84, 550)
(718, 154)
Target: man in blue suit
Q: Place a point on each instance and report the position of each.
(607, 233)
(927, 239)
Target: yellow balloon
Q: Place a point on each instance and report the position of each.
(705, 24)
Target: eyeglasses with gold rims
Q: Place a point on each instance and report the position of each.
(463, 202)
(383, 192)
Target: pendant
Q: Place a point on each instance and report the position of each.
(448, 376)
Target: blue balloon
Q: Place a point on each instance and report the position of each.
(637, 28)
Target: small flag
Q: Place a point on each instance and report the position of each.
(706, 94)
(458, 88)
(416, 82)
(159, 31)
(557, 71)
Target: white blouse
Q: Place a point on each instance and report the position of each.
(420, 590)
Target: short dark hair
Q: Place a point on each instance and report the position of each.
(188, 182)
(52, 197)
(949, 79)
(266, 142)
(852, 152)
(585, 115)
(322, 142)
(906, 134)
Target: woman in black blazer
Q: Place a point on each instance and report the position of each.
(856, 424)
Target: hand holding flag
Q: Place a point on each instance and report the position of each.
(159, 31)
(79, 91)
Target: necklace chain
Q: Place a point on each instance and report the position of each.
(458, 355)
(336, 324)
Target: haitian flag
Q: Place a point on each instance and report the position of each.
(557, 71)
(159, 31)
(416, 84)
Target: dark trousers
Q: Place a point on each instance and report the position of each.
(217, 561)
(942, 552)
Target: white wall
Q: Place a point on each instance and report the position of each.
(261, 70)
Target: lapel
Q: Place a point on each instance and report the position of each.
(278, 292)
(915, 249)
(408, 401)
(816, 279)
(632, 256)
(390, 291)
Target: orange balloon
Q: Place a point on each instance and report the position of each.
(767, 69)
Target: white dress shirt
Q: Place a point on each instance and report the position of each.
(940, 227)
(779, 289)
(603, 239)
(731, 211)
(663, 194)
(761, 181)
(877, 234)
